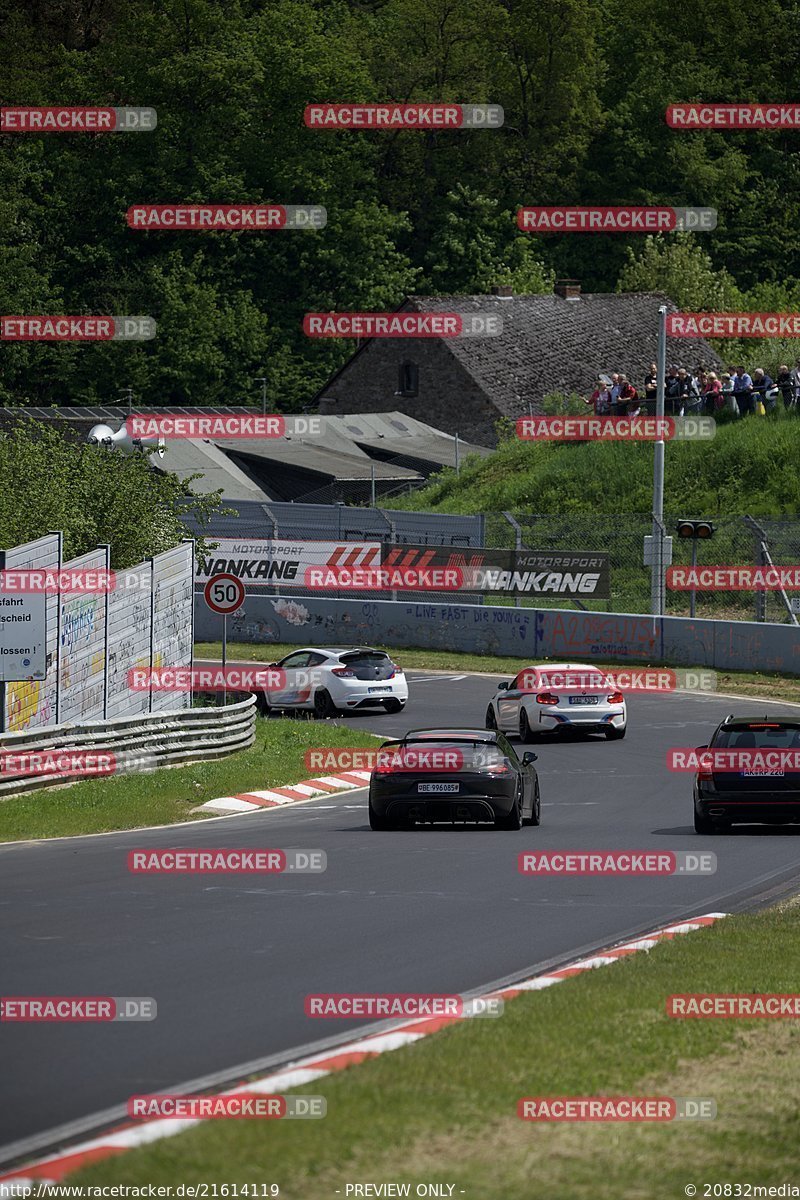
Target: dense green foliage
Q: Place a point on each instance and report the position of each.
(95, 496)
(584, 85)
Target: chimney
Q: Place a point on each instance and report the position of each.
(327, 405)
(503, 290)
(568, 289)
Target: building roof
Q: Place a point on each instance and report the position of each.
(188, 456)
(553, 344)
(400, 436)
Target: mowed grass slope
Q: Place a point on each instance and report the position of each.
(444, 1110)
(749, 467)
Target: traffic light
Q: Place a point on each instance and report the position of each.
(695, 529)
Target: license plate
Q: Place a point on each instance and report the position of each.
(583, 699)
(438, 787)
(379, 689)
(761, 774)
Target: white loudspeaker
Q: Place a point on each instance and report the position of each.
(104, 435)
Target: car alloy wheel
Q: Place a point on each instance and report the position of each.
(323, 705)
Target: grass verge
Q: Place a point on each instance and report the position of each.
(744, 683)
(132, 801)
(444, 1109)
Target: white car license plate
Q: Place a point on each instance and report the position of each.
(438, 787)
(379, 689)
(583, 699)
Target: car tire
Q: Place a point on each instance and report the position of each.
(536, 815)
(323, 705)
(704, 825)
(613, 734)
(377, 822)
(514, 819)
(262, 704)
(526, 734)
(393, 706)
(491, 720)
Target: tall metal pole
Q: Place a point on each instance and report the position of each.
(657, 569)
(262, 380)
(458, 457)
(224, 660)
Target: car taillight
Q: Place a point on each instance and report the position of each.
(396, 669)
(343, 672)
(704, 771)
(616, 698)
(498, 769)
(546, 698)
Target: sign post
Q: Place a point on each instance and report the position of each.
(224, 594)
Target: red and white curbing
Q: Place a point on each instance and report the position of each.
(126, 1137)
(290, 794)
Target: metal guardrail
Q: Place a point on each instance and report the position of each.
(139, 744)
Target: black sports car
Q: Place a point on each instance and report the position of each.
(756, 782)
(462, 775)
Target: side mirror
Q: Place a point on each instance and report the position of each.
(502, 687)
(701, 747)
(528, 758)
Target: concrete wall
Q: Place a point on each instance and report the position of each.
(519, 632)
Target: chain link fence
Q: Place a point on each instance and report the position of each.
(736, 541)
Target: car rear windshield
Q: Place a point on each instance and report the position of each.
(369, 666)
(743, 737)
(463, 755)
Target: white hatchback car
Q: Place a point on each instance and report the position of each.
(331, 681)
(558, 697)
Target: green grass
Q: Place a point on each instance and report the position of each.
(167, 795)
(744, 683)
(749, 467)
(444, 1109)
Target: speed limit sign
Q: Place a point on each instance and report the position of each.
(224, 594)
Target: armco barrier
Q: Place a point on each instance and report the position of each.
(525, 633)
(140, 743)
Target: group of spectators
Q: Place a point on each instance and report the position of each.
(701, 391)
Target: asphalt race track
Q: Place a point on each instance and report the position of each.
(229, 959)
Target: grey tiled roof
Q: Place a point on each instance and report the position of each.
(551, 344)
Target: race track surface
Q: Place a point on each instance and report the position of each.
(229, 959)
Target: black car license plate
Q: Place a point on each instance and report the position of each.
(438, 787)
